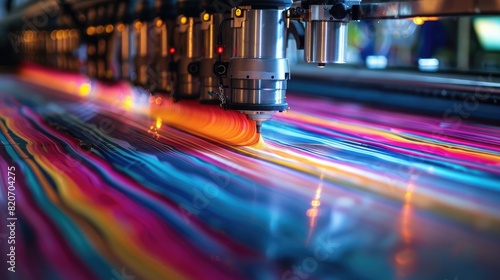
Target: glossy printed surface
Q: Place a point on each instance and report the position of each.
(106, 188)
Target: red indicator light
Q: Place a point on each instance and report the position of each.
(220, 49)
(171, 50)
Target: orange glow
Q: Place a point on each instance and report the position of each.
(90, 30)
(109, 28)
(409, 192)
(120, 27)
(405, 257)
(228, 127)
(138, 25)
(28, 36)
(312, 213)
(158, 123)
(405, 229)
(405, 224)
(99, 29)
(422, 20)
(159, 23)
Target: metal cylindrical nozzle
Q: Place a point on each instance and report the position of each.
(127, 50)
(189, 51)
(145, 33)
(165, 50)
(326, 30)
(325, 42)
(217, 43)
(259, 70)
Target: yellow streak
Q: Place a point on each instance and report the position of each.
(427, 146)
(232, 128)
(75, 201)
(84, 226)
(356, 179)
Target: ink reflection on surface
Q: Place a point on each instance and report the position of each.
(112, 181)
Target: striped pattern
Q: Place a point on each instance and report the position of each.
(108, 185)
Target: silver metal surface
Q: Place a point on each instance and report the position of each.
(264, 92)
(165, 77)
(209, 82)
(259, 70)
(145, 33)
(210, 30)
(262, 35)
(325, 42)
(189, 50)
(187, 86)
(127, 46)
